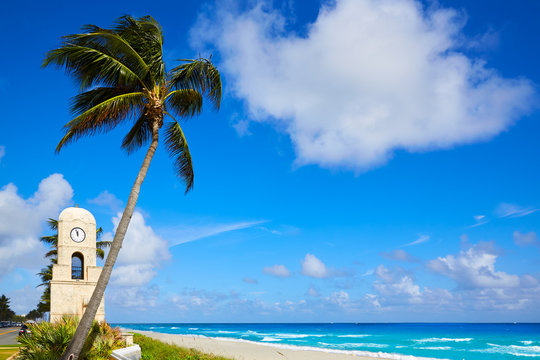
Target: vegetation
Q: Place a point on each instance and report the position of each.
(156, 350)
(5, 312)
(46, 273)
(19, 318)
(34, 314)
(7, 350)
(49, 341)
(122, 76)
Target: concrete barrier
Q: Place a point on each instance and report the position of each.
(128, 353)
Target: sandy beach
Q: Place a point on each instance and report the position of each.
(243, 350)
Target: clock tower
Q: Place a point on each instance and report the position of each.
(75, 274)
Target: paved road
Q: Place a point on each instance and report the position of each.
(8, 336)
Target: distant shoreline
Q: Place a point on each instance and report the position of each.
(250, 350)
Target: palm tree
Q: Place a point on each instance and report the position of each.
(123, 78)
(5, 312)
(46, 273)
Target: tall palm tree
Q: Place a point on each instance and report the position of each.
(123, 77)
(46, 273)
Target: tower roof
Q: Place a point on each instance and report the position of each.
(76, 213)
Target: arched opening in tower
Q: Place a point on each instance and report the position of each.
(77, 266)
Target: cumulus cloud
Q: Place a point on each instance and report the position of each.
(277, 270)
(340, 298)
(474, 268)
(141, 298)
(400, 255)
(107, 199)
(143, 251)
(526, 239)
(367, 78)
(21, 221)
(397, 288)
(312, 266)
(395, 282)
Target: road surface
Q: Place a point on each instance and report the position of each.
(8, 336)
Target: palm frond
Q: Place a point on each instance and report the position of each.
(100, 254)
(87, 100)
(53, 224)
(178, 149)
(90, 66)
(184, 103)
(45, 275)
(52, 254)
(145, 35)
(99, 232)
(101, 117)
(103, 244)
(139, 135)
(51, 240)
(200, 75)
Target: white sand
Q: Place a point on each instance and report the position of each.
(243, 350)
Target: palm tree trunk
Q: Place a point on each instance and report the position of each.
(83, 329)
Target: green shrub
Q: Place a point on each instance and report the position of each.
(152, 349)
(49, 341)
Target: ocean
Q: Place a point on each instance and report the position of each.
(395, 341)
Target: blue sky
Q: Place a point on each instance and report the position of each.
(371, 161)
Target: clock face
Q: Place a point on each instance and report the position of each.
(77, 234)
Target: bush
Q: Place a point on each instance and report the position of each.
(156, 350)
(49, 341)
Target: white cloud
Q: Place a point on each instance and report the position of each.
(340, 298)
(512, 210)
(143, 251)
(479, 220)
(242, 128)
(397, 288)
(311, 266)
(313, 292)
(404, 286)
(277, 270)
(249, 280)
(191, 232)
(130, 297)
(2, 152)
(525, 239)
(399, 255)
(368, 77)
(105, 198)
(474, 268)
(21, 221)
(24, 299)
(421, 239)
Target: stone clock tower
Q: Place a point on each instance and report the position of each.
(75, 275)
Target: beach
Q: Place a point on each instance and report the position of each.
(244, 350)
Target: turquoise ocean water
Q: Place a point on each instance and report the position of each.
(394, 341)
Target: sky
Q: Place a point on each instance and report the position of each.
(372, 161)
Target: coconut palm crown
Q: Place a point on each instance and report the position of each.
(122, 77)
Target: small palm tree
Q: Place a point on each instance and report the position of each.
(123, 78)
(46, 273)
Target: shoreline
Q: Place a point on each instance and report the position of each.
(238, 349)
